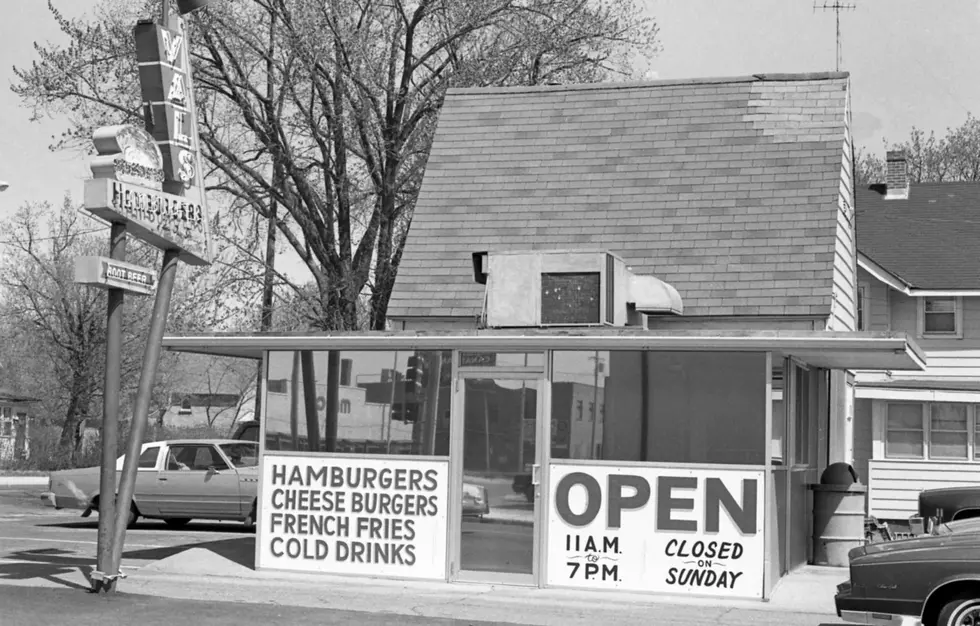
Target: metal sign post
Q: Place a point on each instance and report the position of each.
(164, 213)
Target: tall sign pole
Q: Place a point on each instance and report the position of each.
(172, 216)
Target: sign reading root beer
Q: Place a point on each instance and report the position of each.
(107, 273)
(673, 531)
(343, 515)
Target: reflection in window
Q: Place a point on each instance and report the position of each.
(367, 402)
(658, 406)
(778, 417)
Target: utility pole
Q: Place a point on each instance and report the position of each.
(836, 6)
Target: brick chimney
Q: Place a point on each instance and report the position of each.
(896, 176)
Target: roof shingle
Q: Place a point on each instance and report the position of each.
(725, 188)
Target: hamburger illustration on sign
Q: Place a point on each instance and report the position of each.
(128, 154)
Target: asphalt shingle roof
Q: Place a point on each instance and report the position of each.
(726, 188)
(926, 240)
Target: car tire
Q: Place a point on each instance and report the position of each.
(250, 520)
(134, 516)
(955, 611)
(176, 522)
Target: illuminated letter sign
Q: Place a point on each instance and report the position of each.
(161, 219)
(164, 84)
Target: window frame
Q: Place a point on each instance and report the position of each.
(957, 332)
(861, 307)
(972, 433)
(923, 426)
(969, 431)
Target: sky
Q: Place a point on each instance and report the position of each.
(912, 63)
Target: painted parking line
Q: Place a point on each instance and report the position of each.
(94, 543)
(23, 562)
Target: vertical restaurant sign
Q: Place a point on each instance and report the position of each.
(350, 515)
(164, 82)
(672, 531)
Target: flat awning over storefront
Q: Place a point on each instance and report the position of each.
(831, 350)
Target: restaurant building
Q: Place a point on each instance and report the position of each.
(622, 331)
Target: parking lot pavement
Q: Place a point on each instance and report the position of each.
(42, 545)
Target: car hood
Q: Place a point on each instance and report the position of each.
(903, 548)
(73, 473)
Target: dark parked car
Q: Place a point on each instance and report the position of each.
(950, 503)
(934, 578)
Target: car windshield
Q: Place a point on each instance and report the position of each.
(244, 454)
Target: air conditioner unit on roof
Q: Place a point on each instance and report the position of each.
(567, 288)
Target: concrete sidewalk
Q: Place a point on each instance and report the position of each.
(200, 574)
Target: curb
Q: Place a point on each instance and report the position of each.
(438, 593)
(23, 481)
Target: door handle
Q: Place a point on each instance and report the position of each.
(535, 479)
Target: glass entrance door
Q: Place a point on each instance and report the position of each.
(499, 440)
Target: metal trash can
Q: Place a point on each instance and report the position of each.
(838, 515)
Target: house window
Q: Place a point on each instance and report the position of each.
(948, 432)
(862, 307)
(939, 316)
(6, 422)
(345, 406)
(579, 409)
(905, 435)
(591, 411)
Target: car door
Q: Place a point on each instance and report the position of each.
(145, 494)
(197, 482)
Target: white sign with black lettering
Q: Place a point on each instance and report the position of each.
(674, 531)
(349, 515)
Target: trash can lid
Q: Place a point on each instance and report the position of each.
(839, 474)
(853, 488)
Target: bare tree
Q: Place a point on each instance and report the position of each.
(931, 159)
(318, 115)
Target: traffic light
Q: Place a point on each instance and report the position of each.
(415, 376)
(398, 412)
(412, 412)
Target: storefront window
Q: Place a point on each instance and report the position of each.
(905, 437)
(948, 433)
(658, 406)
(367, 402)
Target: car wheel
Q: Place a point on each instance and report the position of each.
(960, 611)
(134, 515)
(250, 520)
(176, 522)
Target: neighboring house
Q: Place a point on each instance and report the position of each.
(15, 425)
(918, 273)
(211, 390)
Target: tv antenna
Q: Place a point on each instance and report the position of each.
(836, 6)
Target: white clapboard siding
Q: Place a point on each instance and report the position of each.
(894, 486)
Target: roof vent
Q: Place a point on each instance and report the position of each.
(652, 296)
